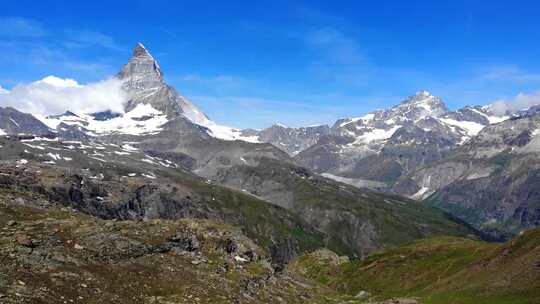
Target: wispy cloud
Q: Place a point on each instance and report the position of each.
(480, 85)
(224, 80)
(335, 46)
(509, 73)
(21, 27)
(86, 38)
(49, 56)
(32, 46)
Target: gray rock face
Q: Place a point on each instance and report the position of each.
(144, 83)
(488, 181)
(292, 140)
(72, 132)
(14, 122)
(476, 114)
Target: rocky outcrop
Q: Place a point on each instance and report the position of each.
(179, 196)
(14, 122)
(291, 140)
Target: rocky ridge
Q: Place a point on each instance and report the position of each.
(488, 181)
(375, 150)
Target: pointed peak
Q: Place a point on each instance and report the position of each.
(423, 93)
(423, 103)
(142, 67)
(141, 51)
(421, 97)
(277, 124)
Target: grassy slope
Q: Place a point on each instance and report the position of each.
(441, 270)
(397, 220)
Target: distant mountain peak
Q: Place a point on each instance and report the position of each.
(423, 93)
(424, 100)
(277, 124)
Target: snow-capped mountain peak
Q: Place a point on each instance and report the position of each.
(151, 103)
(420, 105)
(144, 83)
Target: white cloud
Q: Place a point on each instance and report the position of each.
(20, 27)
(53, 95)
(3, 91)
(520, 102)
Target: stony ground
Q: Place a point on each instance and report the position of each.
(61, 256)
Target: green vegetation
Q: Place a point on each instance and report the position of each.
(439, 271)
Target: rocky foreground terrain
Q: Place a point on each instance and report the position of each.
(51, 253)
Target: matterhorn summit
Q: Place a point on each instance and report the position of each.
(144, 83)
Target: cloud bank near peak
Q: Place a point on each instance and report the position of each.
(520, 102)
(53, 95)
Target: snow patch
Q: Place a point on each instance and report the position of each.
(492, 119)
(376, 135)
(421, 194)
(143, 119)
(478, 175)
(240, 259)
(366, 118)
(470, 127)
(228, 133)
(149, 175)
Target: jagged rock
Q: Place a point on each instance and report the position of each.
(187, 240)
(143, 81)
(362, 295)
(291, 140)
(14, 122)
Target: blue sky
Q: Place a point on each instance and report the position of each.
(293, 62)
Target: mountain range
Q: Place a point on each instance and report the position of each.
(162, 131)
(393, 176)
(409, 149)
